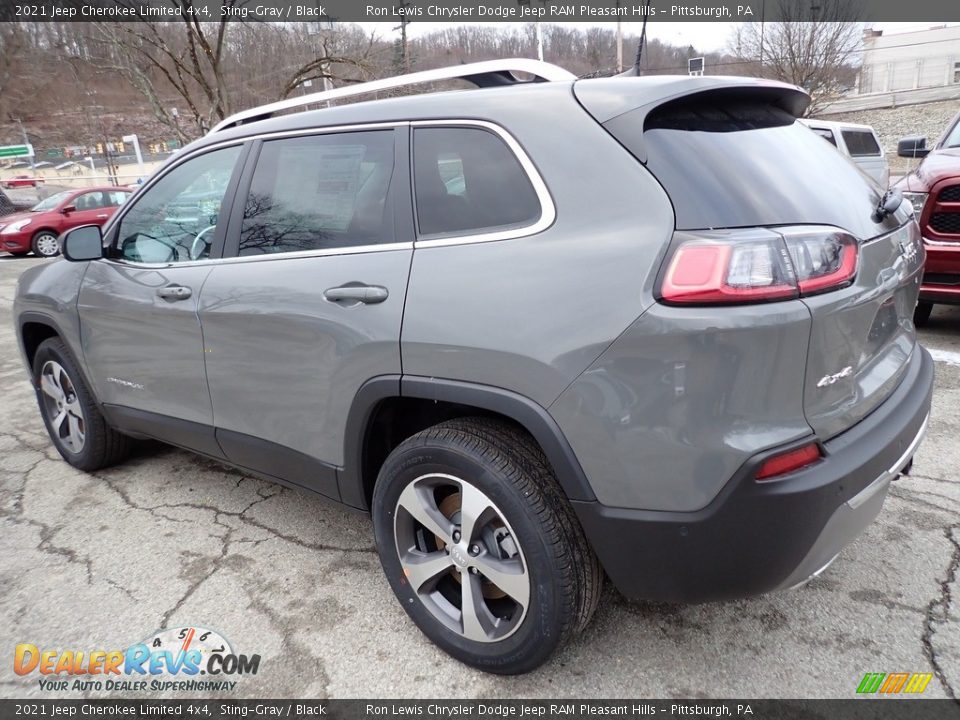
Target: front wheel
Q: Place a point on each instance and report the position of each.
(78, 430)
(481, 547)
(45, 244)
(921, 315)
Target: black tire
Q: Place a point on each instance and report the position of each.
(102, 445)
(41, 241)
(565, 578)
(921, 315)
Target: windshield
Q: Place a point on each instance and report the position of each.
(953, 137)
(51, 202)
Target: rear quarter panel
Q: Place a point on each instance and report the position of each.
(530, 314)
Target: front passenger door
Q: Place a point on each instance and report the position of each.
(138, 306)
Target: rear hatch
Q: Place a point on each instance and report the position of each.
(732, 157)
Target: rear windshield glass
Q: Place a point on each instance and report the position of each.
(746, 164)
(861, 143)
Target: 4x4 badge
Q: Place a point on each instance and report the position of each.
(831, 379)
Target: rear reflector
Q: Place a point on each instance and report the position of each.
(758, 265)
(789, 462)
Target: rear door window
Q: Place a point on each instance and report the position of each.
(861, 143)
(320, 192)
(468, 181)
(826, 135)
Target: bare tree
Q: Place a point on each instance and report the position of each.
(812, 45)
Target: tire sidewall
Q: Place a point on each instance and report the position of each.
(54, 350)
(36, 243)
(542, 627)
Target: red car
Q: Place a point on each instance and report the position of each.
(22, 181)
(934, 189)
(38, 228)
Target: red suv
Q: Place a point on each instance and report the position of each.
(38, 228)
(934, 189)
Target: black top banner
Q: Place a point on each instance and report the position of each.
(932, 11)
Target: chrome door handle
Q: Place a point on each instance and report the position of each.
(368, 294)
(101, 217)
(174, 292)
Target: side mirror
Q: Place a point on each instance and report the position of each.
(912, 147)
(82, 243)
(67, 209)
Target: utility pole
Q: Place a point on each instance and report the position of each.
(26, 141)
(403, 58)
(619, 41)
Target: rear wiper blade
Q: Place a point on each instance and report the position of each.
(891, 200)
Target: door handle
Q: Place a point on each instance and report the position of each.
(174, 292)
(101, 217)
(368, 294)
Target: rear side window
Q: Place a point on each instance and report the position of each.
(740, 162)
(860, 143)
(468, 181)
(320, 192)
(826, 135)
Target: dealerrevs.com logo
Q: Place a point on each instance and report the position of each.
(178, 659)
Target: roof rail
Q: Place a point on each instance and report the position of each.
(481, 74)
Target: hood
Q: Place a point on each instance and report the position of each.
(936, 166)
(13, 217)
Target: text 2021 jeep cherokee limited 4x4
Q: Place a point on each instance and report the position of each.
(540, 330)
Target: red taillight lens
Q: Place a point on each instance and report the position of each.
(742, 266)
(821, 260)
(789, 462)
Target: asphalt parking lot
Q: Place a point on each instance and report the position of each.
(173, 540)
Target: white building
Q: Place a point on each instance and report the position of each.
(905, 61)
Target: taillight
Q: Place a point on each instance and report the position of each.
(758, 265)
(788, 462)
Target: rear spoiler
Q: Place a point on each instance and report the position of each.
(610, 100)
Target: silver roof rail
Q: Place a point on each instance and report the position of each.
(481, 74)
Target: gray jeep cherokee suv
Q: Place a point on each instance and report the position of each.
(541, 330)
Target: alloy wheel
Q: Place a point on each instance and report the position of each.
(62, 406)
(461, 557)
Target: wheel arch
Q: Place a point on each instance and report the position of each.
(34, 328)
(388, 409)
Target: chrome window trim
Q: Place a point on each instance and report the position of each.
(547, 207)
(351, 250)
(548, 212)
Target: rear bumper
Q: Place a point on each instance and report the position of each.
(757, 537)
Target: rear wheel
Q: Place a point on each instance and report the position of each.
(481, 547)
(78, 430)
(921, 315)
(45, 244)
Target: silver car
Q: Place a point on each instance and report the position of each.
(544, 331)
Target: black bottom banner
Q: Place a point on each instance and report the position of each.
(893, 708)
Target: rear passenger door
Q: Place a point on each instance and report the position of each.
(309, 305)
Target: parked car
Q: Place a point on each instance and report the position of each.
(858, 142)
(37, 229)
(9, 206)
(22, 181)
(531, 366)
(933, 188)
